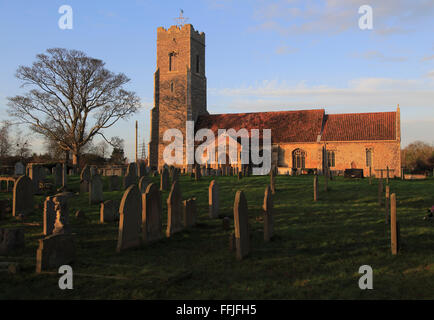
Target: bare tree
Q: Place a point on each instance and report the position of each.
(73, 98)
(5, 140)
(22, 145)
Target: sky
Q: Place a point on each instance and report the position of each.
(260, 55)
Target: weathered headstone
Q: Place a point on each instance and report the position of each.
(141, 169)
(85, 179)
(130, 219)
(22, 196)
(241, 222)
(11, 240)
(95, 190)
(114, 183)
(57, 175)
(213, 199)
(174, 210)
(268, 214)
(143, 184)
(19, 169)
(164, 180)
(34, 176)
(49, 216)
(108, 211)
(54, 251)
(189, 212)
(151, 214)
(61, 225)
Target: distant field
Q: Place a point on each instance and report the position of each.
(316, 254)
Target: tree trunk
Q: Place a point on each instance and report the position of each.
(76, 162)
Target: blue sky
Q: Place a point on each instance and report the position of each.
(260, 55)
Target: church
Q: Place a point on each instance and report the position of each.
(301, 140)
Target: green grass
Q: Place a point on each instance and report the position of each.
(316, 254)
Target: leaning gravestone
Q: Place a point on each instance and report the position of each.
(213, 199)
(268, 214)
(95, 190)
(49, 216)
(241, 222)
(11, 240)
(54, 251)
(108, 211)
(189, 212)
(22, 196)
(151, 214)
(174, 210)
(130, 219)
(19, 169)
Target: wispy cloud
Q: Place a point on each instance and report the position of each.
(376, 55)
(359, 93)
(428, 58)
(335, 16)
(286, 49)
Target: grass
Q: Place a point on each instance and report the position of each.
(316, 253)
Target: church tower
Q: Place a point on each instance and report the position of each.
(179, 85)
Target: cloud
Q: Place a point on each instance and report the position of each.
(428, 58)
(430, 74)
(286, 50)
(359, 93)
(336, 16)
(376, 55)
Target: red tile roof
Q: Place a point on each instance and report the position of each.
(360, 126)
(286, 126)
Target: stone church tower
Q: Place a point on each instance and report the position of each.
(179, 85)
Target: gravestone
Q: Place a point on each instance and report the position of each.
(114, 183)
(141, 169)
(143, 184)
(130, 219)
(268, 214)
(20, 170)
(49, 216)
(164, 180)
(34, 176)
(11, 240)
(95, 190)
(197, 174)
(108, 211)
(57, 175)
(151, 214)
(189, 213)
(22, 196)
(241, 222)
(85, 179)
(54, 251)
(131, 176)
(213, 199)
(174, 210)
(61, 225)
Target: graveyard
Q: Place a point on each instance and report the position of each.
(313, 250)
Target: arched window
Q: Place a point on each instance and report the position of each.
(298, 159)
(368, 157)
